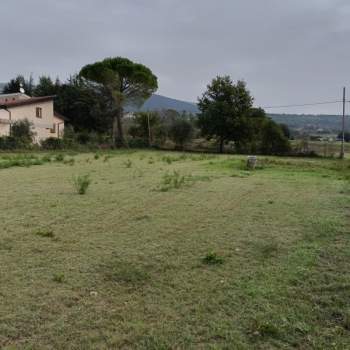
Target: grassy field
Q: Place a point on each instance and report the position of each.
(171, 251)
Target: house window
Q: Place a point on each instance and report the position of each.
(39, 112)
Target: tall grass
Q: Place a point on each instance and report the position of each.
(81, 183)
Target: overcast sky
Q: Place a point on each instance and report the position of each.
(288, 51)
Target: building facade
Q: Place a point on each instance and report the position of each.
(37, 110)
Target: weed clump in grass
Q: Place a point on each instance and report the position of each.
(81, 183)
(127, 274)
(59, 157)
(96, 156)
(167, 159)
(267, 249)
(58, 277)
(20, 160)
(106, 158)
(264, 329)
(212, 258)
(175, 180)
(45, 233)
(46, 159)
(345, 187)
(70, 161)
(172, 181)
(128, 163)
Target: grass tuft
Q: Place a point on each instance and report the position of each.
(128, 163)
(81, 183)
(59, 157)
(212, 258)
(47, 233)
(58, 277)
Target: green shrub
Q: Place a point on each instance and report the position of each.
(8, 143)
(81, 183)
(22, 132)
(273, 141)
(52, 143)
(137, 142)
(181, 132)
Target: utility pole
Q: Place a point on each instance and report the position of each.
(342, 152)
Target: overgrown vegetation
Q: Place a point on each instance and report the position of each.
(258, 261)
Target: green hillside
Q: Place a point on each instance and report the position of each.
(311, 122)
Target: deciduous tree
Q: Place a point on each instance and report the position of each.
(224, 109)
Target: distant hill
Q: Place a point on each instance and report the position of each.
(2, 85)
(158, 102)
(311, 123)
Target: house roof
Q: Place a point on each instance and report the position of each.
(60, 116)
(14, 94)
(27, 101)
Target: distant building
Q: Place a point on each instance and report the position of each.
(37, 110)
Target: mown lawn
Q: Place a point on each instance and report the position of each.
(171, 251)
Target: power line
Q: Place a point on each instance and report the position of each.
(303, 104)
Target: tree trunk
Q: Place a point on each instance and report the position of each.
(221, 145)
(118, 134)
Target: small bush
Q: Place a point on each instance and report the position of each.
(212, 259)
(52, 143)
(22, 132)
(137, 142)
(181, 132)
(8, 143)
(96, 156)
(81, 183)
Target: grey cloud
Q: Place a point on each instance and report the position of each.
(287, 51)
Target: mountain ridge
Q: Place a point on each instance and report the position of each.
(159, 102)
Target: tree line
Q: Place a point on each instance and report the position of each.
(96, 99)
